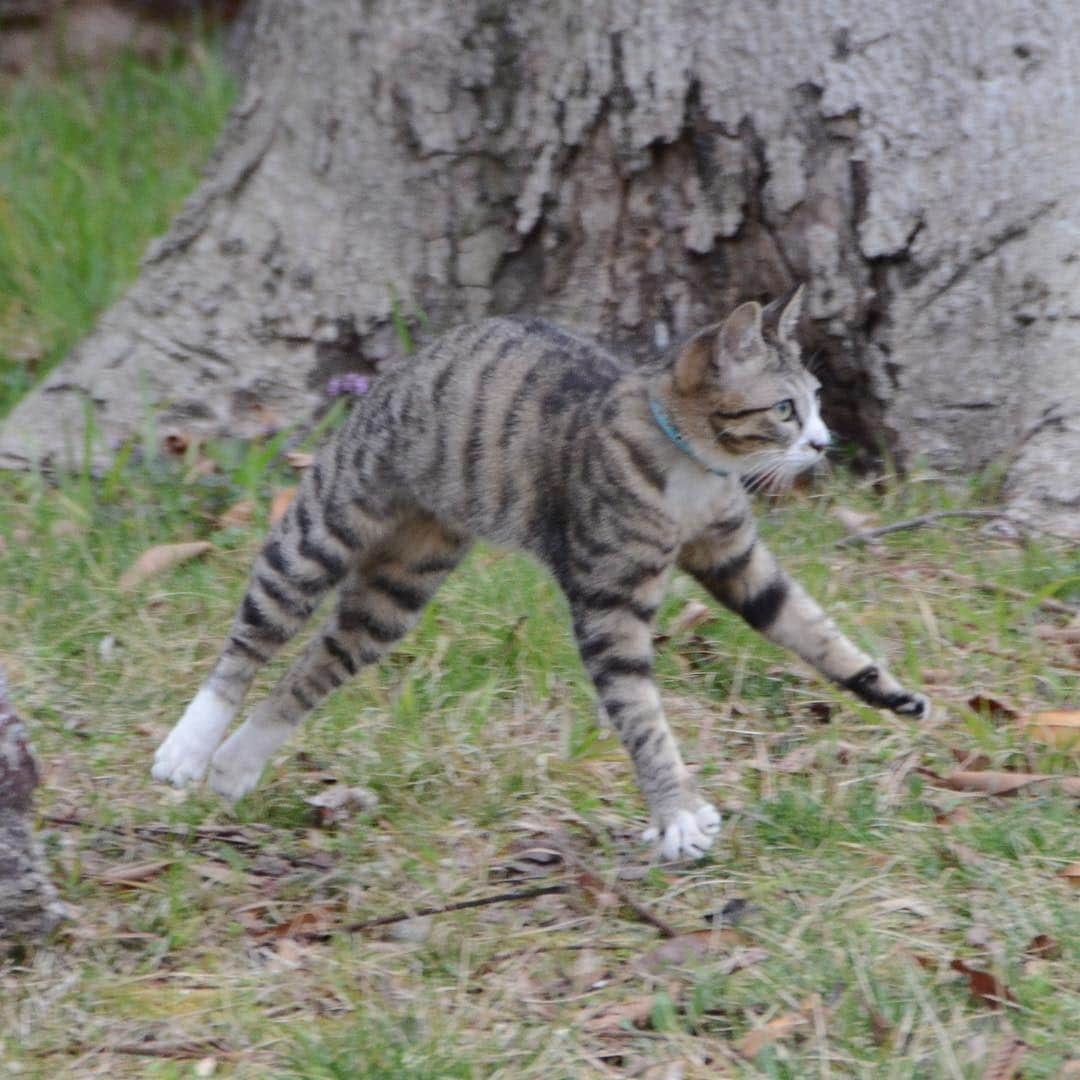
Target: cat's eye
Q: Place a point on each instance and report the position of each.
(785, 409)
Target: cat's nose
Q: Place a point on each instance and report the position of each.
(820, 444)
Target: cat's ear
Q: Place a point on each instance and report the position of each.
(737, 339)
(780, 319)
(696, 362)
(740, 334)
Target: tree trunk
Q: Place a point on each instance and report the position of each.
(28, 902)
(633, 168)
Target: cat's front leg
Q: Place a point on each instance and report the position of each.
(616, 647)
(745, 577)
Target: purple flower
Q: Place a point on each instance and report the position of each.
(350, 383)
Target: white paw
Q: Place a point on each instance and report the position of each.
(180, 759)
(241, 758)
(186, 751)
(231, 777)
(689, 835)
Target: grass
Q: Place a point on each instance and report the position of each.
(478, 733)
(850, 882)
(90, 169)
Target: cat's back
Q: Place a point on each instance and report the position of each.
(473, 421)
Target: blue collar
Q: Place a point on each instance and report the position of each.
(678, 438)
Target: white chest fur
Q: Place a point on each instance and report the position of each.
(697, 498)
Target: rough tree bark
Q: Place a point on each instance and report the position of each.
(28, 903)
(632, 167)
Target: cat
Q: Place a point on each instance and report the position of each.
(609, 474)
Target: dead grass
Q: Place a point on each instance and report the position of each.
(844, 886)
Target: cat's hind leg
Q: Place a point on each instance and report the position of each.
(379, 601)
(306, 554)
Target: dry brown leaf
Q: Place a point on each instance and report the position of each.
(687, 948)
(954, 816)
(134, 873)
(1066, 635)
(176, 443)
(219, 872)
(159, 560)
(313, 924)
(753, 1042)
(615, 1019)
(1043, 946)
(280, 503)
(532, 856)
(971, 759)
(338, 801)
(911, 904)
(996, 782)
(597, 891)
(855, 521)
(1058, 728)
(996, 710)
(801, 759)
(1072, 875)
(983, 985)
(1007, 1059)
(240, 513)
(300, 459)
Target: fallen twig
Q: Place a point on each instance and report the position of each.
(460, 905)
(864, 536)
(591, 880)
(177, 1051)
(162, 834)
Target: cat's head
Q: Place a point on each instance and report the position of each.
(743, 398)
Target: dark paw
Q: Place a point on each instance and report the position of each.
(916, 705)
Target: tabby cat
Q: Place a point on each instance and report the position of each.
(609, 474)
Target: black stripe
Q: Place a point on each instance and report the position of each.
(762, 609)
(435, 564)
(317, 478)
(864, 683)
(333, 566)
(626, 533)
(303, 517)
(359, 619)
(242, 646)
(721, 573)
(642, 462)
(638, 573)
(743, 412)
(280, 597)
(302, 697)
(516, 402)
(616, 707)
(407, 597)
(603, 600)
(638, 742)
(617, 493)
(339, 653)
(612, 667)
(250, 613)
(441, 380)
(594, 646)
(276, 557)
(718, 530)
(337, 528)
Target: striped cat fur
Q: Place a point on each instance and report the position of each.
(611, 475)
